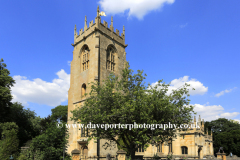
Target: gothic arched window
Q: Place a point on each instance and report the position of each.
(83, 89)
(184, 150)
(110, 59)
(85, 58)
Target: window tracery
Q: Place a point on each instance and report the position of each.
(85, 59)
(110, 59)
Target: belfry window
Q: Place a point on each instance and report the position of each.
(85, 58)
(184, 150)
(110, 60)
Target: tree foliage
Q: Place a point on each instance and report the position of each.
(52, 140)
(44, 123)
(221, 125)
(126, 100)
(26, 121)
(234, 121)
(230, 141)
(59, 113)
(226, 134)
(9, 142)
(6, 82)
(48, 145)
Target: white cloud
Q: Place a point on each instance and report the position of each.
(225, 91)
(183, 25)
(177, 83)
(209, 113)
(41, 92)
(138, 8)
(229, 115)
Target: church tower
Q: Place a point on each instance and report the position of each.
(98, 51)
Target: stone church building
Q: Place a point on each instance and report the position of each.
(99, 50)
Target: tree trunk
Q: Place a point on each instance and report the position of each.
(132, 152)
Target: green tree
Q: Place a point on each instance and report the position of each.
(230, 141)
(225, 134)
(59, 113)
(50, 144)
(9, 142)
(52, 139)
(221, 125)
(44, 123)
(26, 120)
(6, 82)
(126, 100)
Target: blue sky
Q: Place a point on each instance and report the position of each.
(175, 40)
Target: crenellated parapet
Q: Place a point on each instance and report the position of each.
(103, 28)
